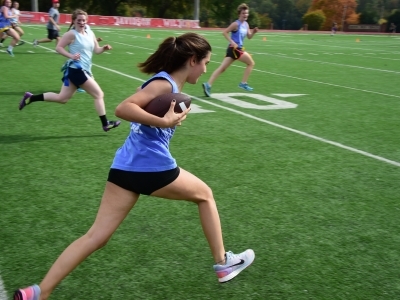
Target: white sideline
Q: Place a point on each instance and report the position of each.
(3, 293)
(394, 163)
(379, 158)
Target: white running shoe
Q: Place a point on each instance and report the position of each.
(234, 264)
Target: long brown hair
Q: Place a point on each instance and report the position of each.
(173, 53)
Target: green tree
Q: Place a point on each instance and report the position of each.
(314, 20)
(369, 17)
(394, 17)
(224, 13)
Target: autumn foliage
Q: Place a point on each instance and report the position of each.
(335, 10)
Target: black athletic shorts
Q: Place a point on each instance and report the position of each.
(234, 53)
(52, 34)
(77, 76)
(144, 183)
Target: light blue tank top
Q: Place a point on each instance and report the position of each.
(11, 12)
(83, 44)
(239, 35)
(146, 149)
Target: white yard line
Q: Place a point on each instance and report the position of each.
(391, 162)
(3, 293)
(379, 158)
(319, 82)
(327, 63)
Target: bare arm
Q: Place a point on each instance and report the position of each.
(131, 109)
(97, 48)
(5, 13)
(67, 39)
(229, 29)
(251, 33)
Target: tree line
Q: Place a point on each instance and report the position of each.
(276, 14)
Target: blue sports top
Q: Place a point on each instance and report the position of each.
(146, 148)
(83, 44)
(239, 35)
(3, 21)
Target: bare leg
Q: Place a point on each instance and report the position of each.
(45, 40)
(224, 65)
(248, 60)
(20, 31)
(15, 37)
(94, 90)
(65, 94)
(114, 207)
(189, 187)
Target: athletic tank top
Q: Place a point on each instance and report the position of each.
(239, 35)
(16, 12)
(83, 44)
(146, 149)
(3, 21)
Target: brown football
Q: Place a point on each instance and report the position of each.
(160, 105)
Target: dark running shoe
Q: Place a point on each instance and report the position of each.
(111, 125)
(25, 100)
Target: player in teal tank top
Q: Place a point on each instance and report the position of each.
(238, 31)
(77, 71)
(133, 171)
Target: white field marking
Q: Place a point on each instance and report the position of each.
(3, 293)
(325, 62)
(4, 51)
(379, 158)
(288, 95)
(293, 53)
(276, 74)
(134, 46)
(129, 53)
(293, 77)
(315, 81)
(333, 46)
(330, 63)
(351, 54)
(29, 51)
(106, 52)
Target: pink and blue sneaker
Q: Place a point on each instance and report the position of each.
(234, 264)
(29, 293)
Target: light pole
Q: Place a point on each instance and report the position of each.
(196, 9)
(344, 16)
(34, 5)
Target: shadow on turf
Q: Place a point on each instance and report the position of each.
(12, 93)
(11, 139)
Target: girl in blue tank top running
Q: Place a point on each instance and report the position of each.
(238, 31)
(144, 165)
(6, 27)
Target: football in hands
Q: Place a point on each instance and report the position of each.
(160, 105)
